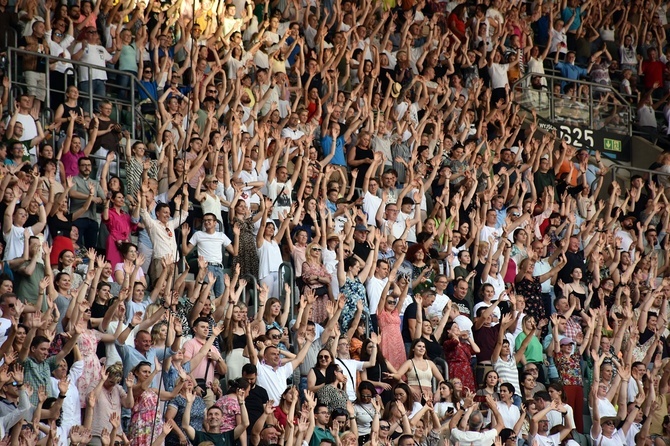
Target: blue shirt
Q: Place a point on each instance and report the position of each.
(326, 144)
(570, 71)
(568, 13)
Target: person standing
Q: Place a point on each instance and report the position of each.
(83, 188)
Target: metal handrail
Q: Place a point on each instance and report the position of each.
(13, 53)
(11, 32)
(616, 167)
(522, 84)
(280, 275)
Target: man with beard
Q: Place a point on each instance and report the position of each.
(627, 232)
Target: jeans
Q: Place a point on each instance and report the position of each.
(88, 232)
(123, 80)
(218, 277)
(99, 91)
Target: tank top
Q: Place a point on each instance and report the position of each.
(418, 377)
(269, 258)
(78, 128)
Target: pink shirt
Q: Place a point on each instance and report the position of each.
(190, 349)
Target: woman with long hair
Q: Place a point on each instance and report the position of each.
(426, 428)
(334, 394)
(299, 251)
(130, 260)
(351, 275)
(269, 253)
(145, 420)
(273, 314)
(445, 401)
(282, 411)
(119, 225)
(419, 371)
(367, 407)
(316, 378)
(458, 349)
(377, 375)
(403, 394)
(530, 286)
(247, 255)
(316, 277)
(230, 404)
(490, 385)
(235, 340)
(397, 417)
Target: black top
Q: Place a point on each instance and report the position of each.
(59, 227)
(410, 313)
(255, 401)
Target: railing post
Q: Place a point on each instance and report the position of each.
(280, 273)
(591, 107)
(90, 91)
(132, 107)
(47, 82)
(254, 283)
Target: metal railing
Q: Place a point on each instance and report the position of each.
(616, 167)
(284, 268)
(138, 121)
(252, 283)
(592, 112)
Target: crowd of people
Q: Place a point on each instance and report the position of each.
(458, 279)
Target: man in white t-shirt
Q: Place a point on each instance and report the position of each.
(210, 245)
(604, 430)
(13, 231)
(272, 375)
(351, 367)
(371, 202)
(475, 419)
(280, 186)
(539, 427)
(441, 299)
(489, 229)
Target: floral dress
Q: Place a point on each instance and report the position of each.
(248, 254)
(319, 313)
(354, 291)
(197, 416)
(531, 290)
(458, 356)
(389, 325)
(88, 344)
(230, 408)
(143, 418)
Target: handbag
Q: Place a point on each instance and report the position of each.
(423, 398)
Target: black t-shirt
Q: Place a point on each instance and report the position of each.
(410, 313)
(59, 227)
(257, 397)
(224, 439)
(362, 250)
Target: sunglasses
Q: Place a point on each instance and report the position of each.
(385, 427)
(58, 34)
(276, 336)
(324, 357)
(316, 249)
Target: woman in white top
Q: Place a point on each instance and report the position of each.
(209, 200)
(558, 36)
(606, 393)
(269, 253)
(492, 268)
(536, 60)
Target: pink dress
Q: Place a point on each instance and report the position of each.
(119, 226)
(392, 345)
(230, 408)
(143, 418)
(88, 344)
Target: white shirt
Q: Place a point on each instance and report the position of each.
(210, 245)
(274, 381)
(550, 440)
(94, 55)
(371, 205)
(618, 439)
(498, 72)
(374, 288)
(71, 411)
(15, 242)
(510, 415)
(471, 438)
(437, 307)
(349, 368)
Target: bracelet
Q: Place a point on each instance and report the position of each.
(87, 284)
(637, 407)
(61, 396)
(131, 326)
(178, 335)
(261, 305)
(41, 204)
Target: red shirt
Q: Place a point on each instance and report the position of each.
(653, 73)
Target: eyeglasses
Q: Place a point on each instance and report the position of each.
(212, 91)
(391, 302)
(10, 305)
(147, 71)
(324, 357)
(58, 35)
(88, 310)
(609, 423)
(347, 251)
(365, 397)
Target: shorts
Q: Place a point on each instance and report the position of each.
(36, 85)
